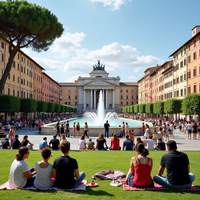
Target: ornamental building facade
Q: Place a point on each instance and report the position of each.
(84, 92)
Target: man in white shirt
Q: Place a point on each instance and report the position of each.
(149, 143)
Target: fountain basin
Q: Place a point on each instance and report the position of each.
(94, 131)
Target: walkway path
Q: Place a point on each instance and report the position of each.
(181, 139)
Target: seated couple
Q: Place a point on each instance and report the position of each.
(177, 164)
(65, 170)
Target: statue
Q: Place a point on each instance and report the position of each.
(99, 66)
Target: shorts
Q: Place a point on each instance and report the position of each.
(11, 137)
(189, 131)
(146, 134)
(39, 129)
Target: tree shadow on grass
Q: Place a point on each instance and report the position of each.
(88, 191)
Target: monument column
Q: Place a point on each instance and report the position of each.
(113, 99)
(106, 98)
(84, 103)
(94, 98)
(91, 98)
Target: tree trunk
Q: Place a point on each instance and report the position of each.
(8, 67)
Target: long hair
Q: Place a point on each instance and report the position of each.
(20, 154)
(101, 137)
(24, 138)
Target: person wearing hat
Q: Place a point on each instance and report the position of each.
(139, 174)
(178, 169)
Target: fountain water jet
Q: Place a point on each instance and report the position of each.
(99, 119)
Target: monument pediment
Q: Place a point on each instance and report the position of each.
(98, 82)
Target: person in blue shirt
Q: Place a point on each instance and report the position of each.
(43, 143)
(128, 143)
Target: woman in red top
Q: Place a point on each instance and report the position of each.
(115, 143)
(139, 174)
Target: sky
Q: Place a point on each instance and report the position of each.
(127, 36)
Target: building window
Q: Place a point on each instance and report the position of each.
(195, 43)
(76, 97)
(189, 58)
(194, 55)
(69, 97)
(131, 91)
(60, 90)
(121, 103)
(13, 64)
(21, 68)
(9, 91)
(126, 96)
(24, 70)
(189, 47)
(2, 57)
(136, 96)
(75, 102)
(13, 92)
(9, 76)
(132, 103)
(18, 93)
(75, 91)
(184, 62)
(22, 81)
(27, 83)
(181, 92)
(69, 91)
(121, 91)
(132, 97)
(127, 103)
(24, 94)
(27, 95)
(194, 71)
(2, 45)
(188, 89)
(121, 96)
(194, 87)
(177, 79)
(184, 76)
(13, 77)
(17, 79)
(18, 66)
(21, 94)
(181, 78)
(177, 93)
(184, 91)
(126, 91)
(69, 103)
(65, 103)
(189, 74)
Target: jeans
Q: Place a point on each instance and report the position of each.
(106, 133)
(104, 149)
(164, 182)
(79, 180)
(67, 133)
(142, 132)
(29, 182)
(123, 132)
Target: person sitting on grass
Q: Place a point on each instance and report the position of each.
(115, 143)
(178, 169)
(65, 169)
(90, 145)
(6, 144)
(55, 143)
(20, 175)
(44, 170)
(160, 145)
(82, 143)
(26, 142)
(128, 144)
(139, 174)
(63, 138)
(43, 143)
(100, 143)
(16, 143)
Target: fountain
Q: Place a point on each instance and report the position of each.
(96, 121)
(100, 118)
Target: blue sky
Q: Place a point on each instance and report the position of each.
(128, 36)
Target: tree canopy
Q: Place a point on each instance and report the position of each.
(24, 24)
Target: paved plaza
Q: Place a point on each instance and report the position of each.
(181, 139)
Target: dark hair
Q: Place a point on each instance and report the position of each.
(54, 136)
(20, 154)
(16, 136)
(127, 136)
(141, 149)
(115, 136)
(172, 144)
(160, 139)
(65, 146)
(160, 128)
(150, 137)
(44, 138)
(24, 138)
(90, 139)
(46, 152)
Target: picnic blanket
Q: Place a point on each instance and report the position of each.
(6, 186)
(158, 187)
(110, 174)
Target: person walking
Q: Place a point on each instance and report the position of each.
(86, 130)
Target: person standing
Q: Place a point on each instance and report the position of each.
(65, 169)
(62, 131)
(12, 134)
(67, 129)
(74, 129)
(123, 129)
(189, 129)
(127, 128)
(194, 130)
(106, 126)
(39, 127)
(78, 129)
(143, 129)
(178, 169)
(58, 128)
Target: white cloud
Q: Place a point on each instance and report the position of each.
(113, 4)
(78, 66)
(132, 77)
(69, 44)
(47, 64)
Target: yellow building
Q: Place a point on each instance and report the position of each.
(141, 91)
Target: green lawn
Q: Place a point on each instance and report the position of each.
(92, 162)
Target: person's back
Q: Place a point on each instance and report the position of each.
(128, 144)
(150, 143)
(115, 144)
(90, 145)
(55, 143)
(16, 144)
(161, 145)
(177, 167)
(42, 144)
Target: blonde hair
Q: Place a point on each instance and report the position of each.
(101, 137)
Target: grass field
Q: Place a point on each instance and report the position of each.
(92, 162)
